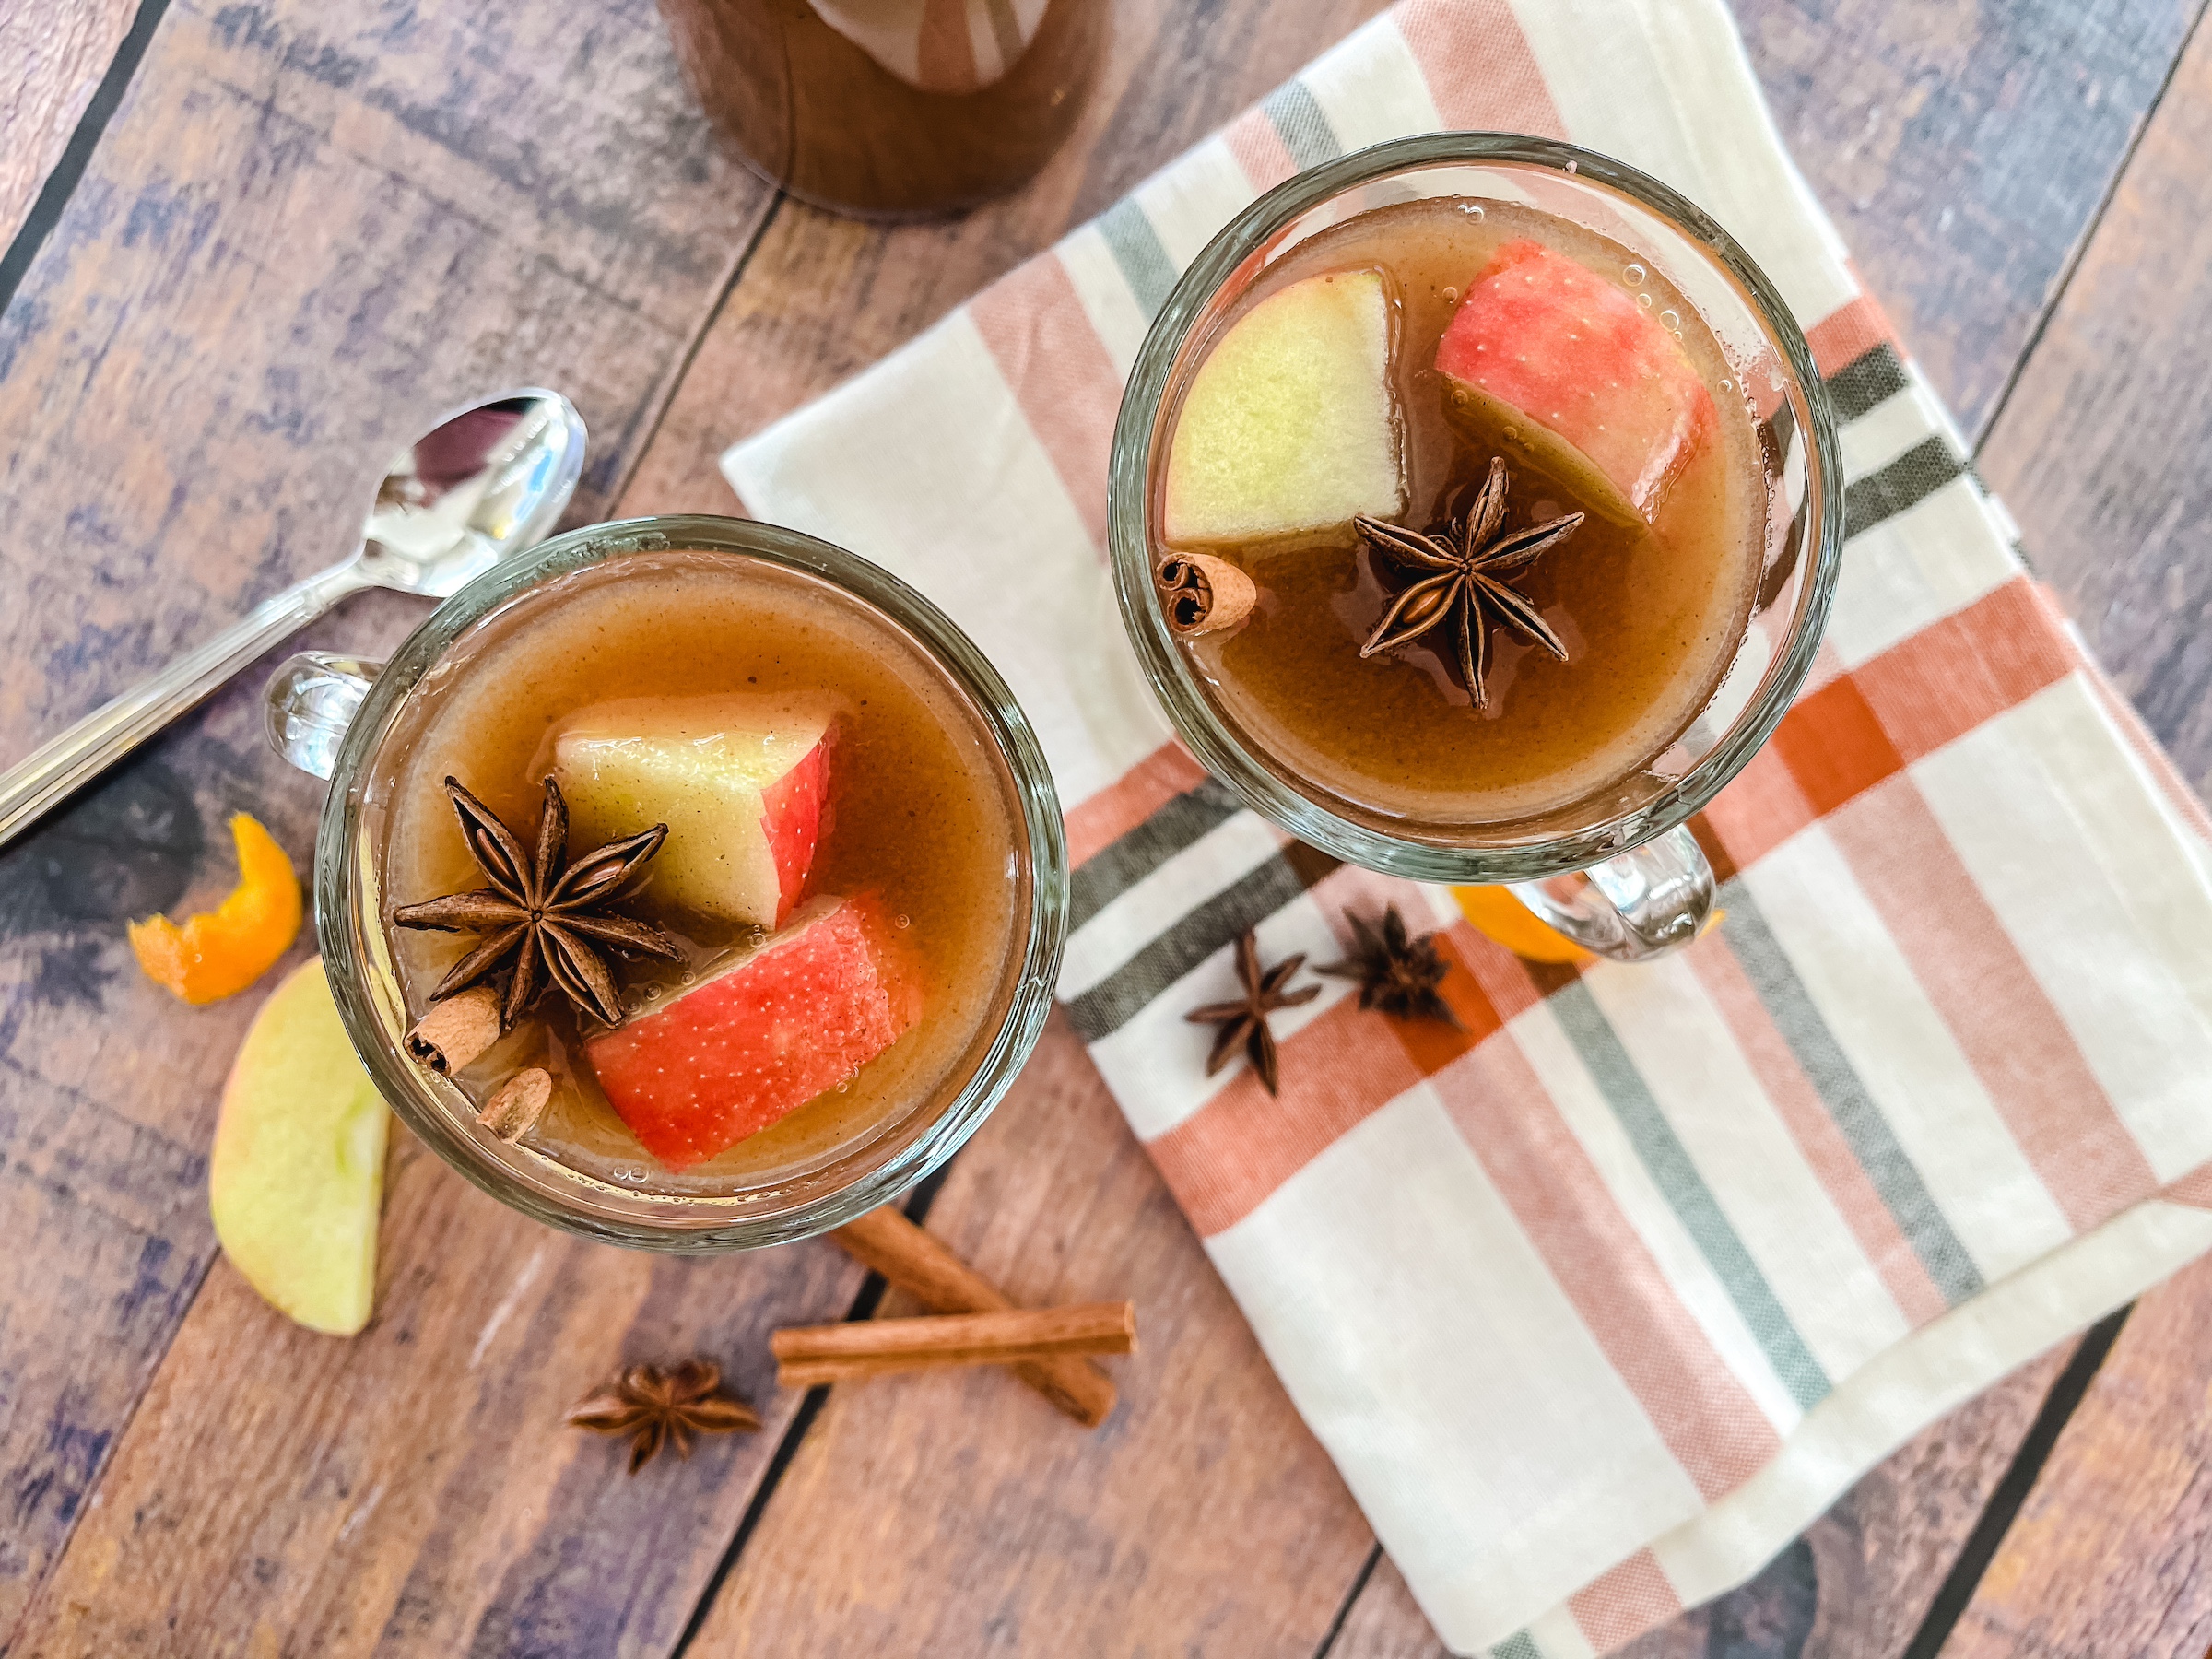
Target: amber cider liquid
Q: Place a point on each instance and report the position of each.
(1652, 616)
(921, 810)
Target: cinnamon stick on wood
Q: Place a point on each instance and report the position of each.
(806, 1355)
(919, 1263)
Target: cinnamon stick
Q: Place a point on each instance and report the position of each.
(457, 1031)
(919, 1263)
(1203, 594)
(806, 1355)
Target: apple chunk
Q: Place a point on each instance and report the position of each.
(741, 781)
(297, 1175)
(759, 1037)
(1616, 403)
(1289, 427)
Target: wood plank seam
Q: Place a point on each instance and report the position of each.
(61, 184)
(1981, 1547)
(2088, 235)
(865, 1303)
(1344, 1610)
(664, 395)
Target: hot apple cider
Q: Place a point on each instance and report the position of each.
(699, 871)
(1462, 515)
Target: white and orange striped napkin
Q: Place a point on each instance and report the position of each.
(1599, 1302)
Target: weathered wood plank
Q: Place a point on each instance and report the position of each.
(2107, 1558)
(306, 229)
(2099, 451)
(413, 1490)
(52, 59)
(1961, 149)
(958, 1513)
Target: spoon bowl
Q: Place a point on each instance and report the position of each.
(487, 481)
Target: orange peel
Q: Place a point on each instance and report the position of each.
(1504, 919)
(219, 952)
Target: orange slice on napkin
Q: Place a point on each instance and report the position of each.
(1504, 920)
(221, 952)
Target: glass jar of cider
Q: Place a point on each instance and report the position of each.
(890, 109)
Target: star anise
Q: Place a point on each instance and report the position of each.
(1468, 564)
(544, 916)
(1245, 1022)
(1397, 973)
(657, 1408)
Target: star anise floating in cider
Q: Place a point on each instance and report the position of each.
(1464, 581)
(546, 918)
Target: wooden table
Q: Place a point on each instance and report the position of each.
(253, 243)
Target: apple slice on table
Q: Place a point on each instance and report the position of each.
(741, 781)
(1616, 405)
(297, 1176)
(759, 1038)
(1288, 425)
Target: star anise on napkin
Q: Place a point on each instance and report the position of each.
(1397, 973)
(658, 1409)
(544, 915)
(1245, 1022)
(1467, 565)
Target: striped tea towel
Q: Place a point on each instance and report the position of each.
(1600, 1301)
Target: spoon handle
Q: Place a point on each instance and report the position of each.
(51, 772)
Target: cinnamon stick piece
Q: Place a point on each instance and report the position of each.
(919, 1263)
(806, 1355)
(514, 1110)
(457, 1031)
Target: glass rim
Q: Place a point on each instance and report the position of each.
(692, 1226)
(1220, 750)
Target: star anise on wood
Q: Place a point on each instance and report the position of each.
(658, 1409)
(1467, 565)
(1245, 1022)
(545, 916)
(1397, 973)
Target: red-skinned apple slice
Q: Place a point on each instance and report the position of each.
(759, 1038)
(1543, 341)
(741, 781)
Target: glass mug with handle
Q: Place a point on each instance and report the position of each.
(372, 728)
(1615, 868)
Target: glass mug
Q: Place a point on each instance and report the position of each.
(339, 718)
(890, 108)
(1616, 872)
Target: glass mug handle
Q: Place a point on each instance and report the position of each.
(310, 702)
(1632, 907)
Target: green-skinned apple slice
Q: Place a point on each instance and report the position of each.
(1289, 427)
(1603, 394)
(297, 1175)
(742, 782)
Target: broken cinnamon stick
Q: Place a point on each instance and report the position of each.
(920, 1264)
(513, 1110)
(806, 1355)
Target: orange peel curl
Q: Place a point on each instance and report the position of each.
(219, 952)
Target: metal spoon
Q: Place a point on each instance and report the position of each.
(485, 482)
